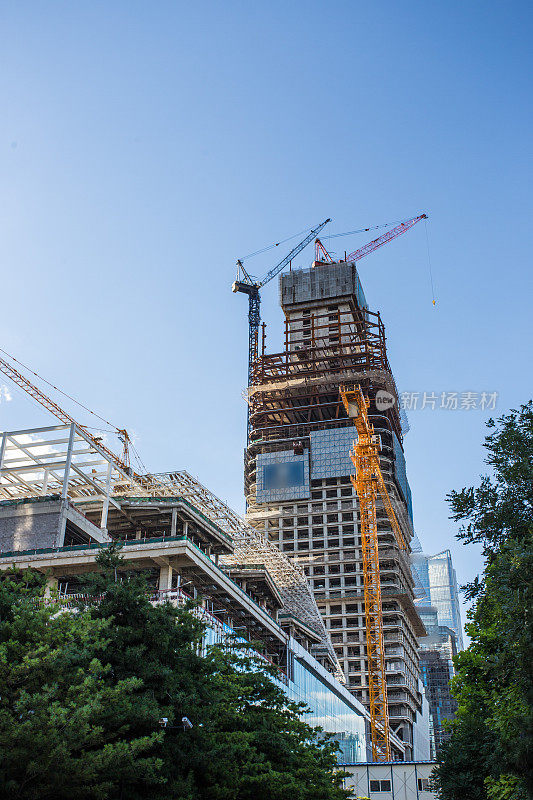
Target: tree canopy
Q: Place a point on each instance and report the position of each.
(489, 752)
(83, 694)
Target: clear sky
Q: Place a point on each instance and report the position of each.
(144, 147)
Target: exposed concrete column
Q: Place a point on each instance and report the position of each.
(50, 585)
(105, 506)
(138, 534)
(165, 578)
(186, 528)
(174, 524)
(45, 482)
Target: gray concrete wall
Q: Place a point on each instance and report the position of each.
(320, 282)
(27, 526)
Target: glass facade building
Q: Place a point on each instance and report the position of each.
(438, 578)
(331, 707)
(439, 610)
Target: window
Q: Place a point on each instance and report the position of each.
(380, 786)
(423, 785)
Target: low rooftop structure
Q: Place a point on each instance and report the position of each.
(60, 487)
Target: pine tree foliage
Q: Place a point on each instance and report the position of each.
(82, 697)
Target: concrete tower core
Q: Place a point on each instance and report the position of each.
(297, 469)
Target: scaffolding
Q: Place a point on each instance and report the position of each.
(251, 546)
(66, 461)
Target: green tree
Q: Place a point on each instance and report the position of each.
(82, 697)
(247, 739)
(57, 735)
(490, 748)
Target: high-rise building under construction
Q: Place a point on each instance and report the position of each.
(297, 474)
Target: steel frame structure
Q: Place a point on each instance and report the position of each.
(59, 459)
(251, 546)
(65, 460)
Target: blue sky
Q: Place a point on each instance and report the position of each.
(144, 147)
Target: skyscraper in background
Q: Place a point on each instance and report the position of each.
(437, 576)
(440, 612)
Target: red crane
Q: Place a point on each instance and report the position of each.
(403, 227)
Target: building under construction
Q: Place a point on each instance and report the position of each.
(297, 476)
(64, 496)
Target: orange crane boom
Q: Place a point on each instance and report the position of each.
(368, 481)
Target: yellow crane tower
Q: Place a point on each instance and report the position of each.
(368, 481)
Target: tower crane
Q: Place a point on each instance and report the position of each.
(122, 463)
(368, 482)
(357, 255)
(251, 287)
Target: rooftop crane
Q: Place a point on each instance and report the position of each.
(251, 287)
(122, 463)
(368, 481)
(357, 255)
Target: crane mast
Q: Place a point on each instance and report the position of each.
(251, 288)
(368, 482)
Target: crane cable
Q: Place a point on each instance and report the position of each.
(429, 265)
(360, 230)
(328, 236)
(36, 374)
(272, 246)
